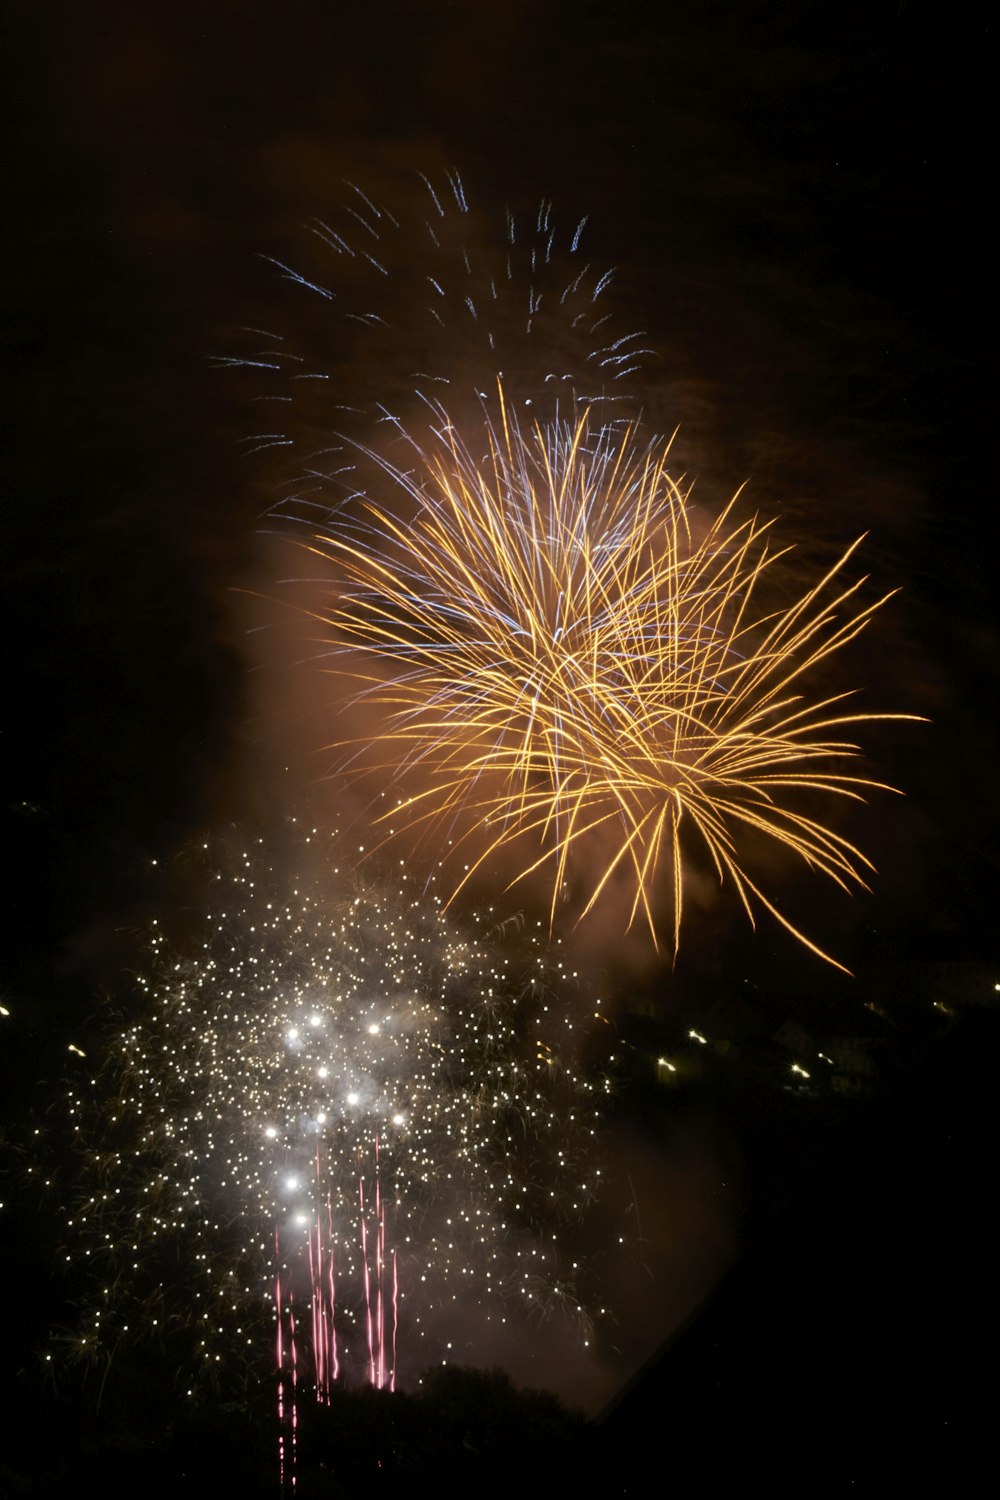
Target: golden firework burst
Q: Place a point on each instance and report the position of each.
(561, 648)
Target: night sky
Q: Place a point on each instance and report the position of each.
(793, 198)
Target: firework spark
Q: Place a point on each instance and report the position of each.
(570, 665)
(341, 1115)
(417, 303)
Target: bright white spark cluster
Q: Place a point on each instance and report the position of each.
(328, 1049)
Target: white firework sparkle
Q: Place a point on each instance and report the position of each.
(338, 1103)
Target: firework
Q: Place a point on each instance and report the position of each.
(417, 303)
(340, 1116)
(569, 664)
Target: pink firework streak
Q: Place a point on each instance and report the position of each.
(381, 1375)
(287, 1458)
(323, 1279)
(380, 1284)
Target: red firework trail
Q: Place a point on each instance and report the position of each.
(293, 1352)
(381, 1323)
(379, 1375)
(322, 1276)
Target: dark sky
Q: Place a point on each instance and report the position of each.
(794, 199)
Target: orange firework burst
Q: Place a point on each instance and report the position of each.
(569, 661)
